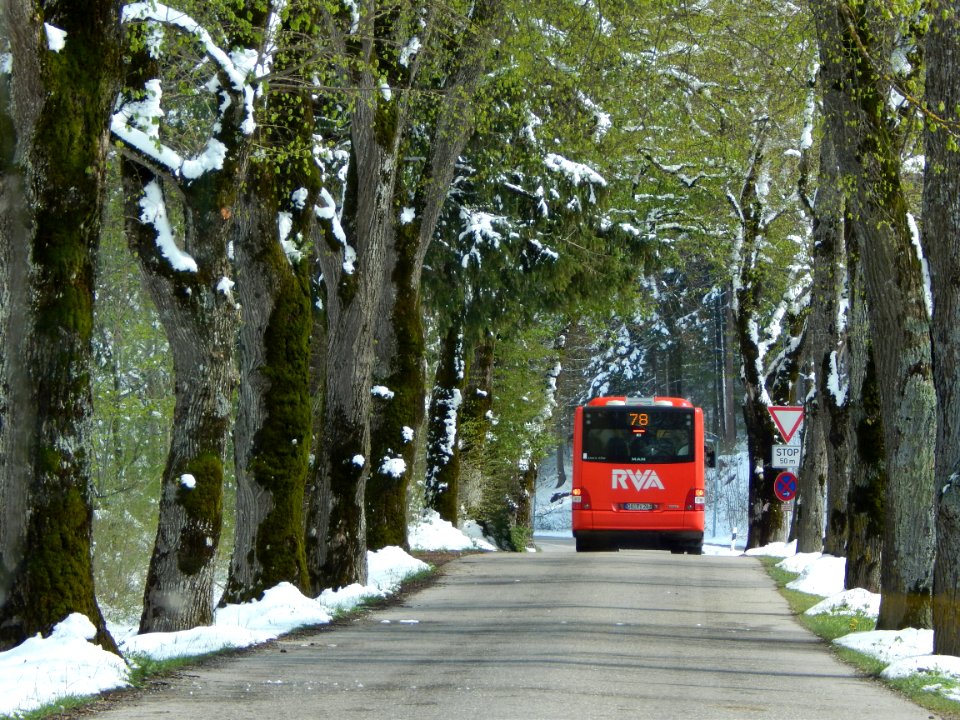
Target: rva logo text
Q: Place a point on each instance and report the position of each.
(641, 479)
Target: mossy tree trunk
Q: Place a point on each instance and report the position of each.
(199, 316)
(475, 422)
(352, 257)
(336, 530)
(400, 336)
(272, 434)
(399, 414)
(441, 492)
(55, 114)
(200, 322)
(941, 238)
(853, 42)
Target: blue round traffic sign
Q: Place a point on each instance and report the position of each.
(785, 486)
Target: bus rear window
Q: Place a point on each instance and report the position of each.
(638, 434)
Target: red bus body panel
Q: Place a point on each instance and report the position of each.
(639, 505)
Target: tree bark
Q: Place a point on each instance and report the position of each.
(941, 238)
(766, 517)
(812, 479)
(401, 369)
(200, 322)
(274, 427)
(200, 317)
(54, 117)
(272, 433)
(400, 341)
(824, 481)
(475, 422)
(868, 476)
(855, 104)
(442, 489)
(336, 527)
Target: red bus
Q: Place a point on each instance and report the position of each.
(638, 475)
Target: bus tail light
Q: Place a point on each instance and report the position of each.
(580, 499)
(696, 499)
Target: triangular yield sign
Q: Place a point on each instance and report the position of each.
(787, 420)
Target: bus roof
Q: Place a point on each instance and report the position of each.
(639, 401)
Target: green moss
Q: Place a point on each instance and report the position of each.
(204, 500)
(386, 495)
(385, 124)
(203, 505)
(281, 447)
(56, 578)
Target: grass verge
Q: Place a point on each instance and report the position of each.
(923, 689)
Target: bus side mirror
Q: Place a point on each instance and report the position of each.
(711, 456)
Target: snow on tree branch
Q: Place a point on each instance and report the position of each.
(136, 122)
(479, 225)
(328, 212)
(576, 172)
(154, 212)
(238, 65)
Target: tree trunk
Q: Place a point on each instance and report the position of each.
(442, 489)
(867, 490)
(941, 224)
(54, 118)
(855, 104)
(561, 465)
(400, 341)
(400, 368)
(868, 476)
(200, 321)
(766, 516)
(821, 473)
(475, 422)
(196, 306)
(812, 480)
(834, 366)
(336, 527)
(274, 427)
(272, 434)
(726, 418)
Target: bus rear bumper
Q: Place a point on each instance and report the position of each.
(678, 541)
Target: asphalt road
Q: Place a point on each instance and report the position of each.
(551, 635)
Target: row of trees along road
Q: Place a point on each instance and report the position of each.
(383, 247)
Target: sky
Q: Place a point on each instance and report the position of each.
(42, 670)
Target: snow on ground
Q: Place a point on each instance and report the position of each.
(433, 533)
(42, 670)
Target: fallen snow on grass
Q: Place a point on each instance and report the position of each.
(890, 645)
(848, 602)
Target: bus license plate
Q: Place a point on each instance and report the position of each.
(639, 506)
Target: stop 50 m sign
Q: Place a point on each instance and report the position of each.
(785, 456)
